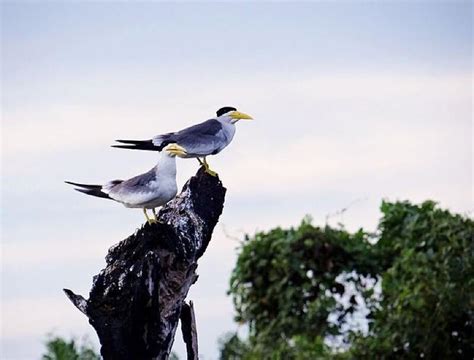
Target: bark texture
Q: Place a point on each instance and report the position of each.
(136, 301)
(188, 327)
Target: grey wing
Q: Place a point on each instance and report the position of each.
(202, 139)
(135, 190)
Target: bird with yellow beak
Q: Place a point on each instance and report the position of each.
(201, 140)
(146, 191)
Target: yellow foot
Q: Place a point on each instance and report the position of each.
(154, 214)
(208, 169)
(152, 221)
(210, 172)
(148, 219)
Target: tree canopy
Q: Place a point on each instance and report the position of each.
(58, 348)
(406, 291)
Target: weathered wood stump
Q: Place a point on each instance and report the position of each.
(136, 301)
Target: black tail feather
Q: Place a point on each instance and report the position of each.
(138, 145)
(133, 147)
(135, 142)
(141, 145)
(86, 186)
(94, 190)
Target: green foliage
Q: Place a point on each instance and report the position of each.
(60, 349)
(232, 348)
(173, 356)
(287, 283)
(427, 265)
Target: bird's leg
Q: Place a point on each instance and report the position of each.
(208, 169)
(150, 221)
(200, 161)
(156, 220)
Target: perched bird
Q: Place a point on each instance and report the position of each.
(201, 140)
(147, 191)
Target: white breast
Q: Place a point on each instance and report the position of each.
(150, 190)
(228, 132)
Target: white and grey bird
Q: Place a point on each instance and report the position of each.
(147, 191)
(201, 140)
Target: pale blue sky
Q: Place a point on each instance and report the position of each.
(352, 101)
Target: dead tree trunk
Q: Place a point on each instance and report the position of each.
(136, 301)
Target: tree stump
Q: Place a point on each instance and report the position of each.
(136, 301)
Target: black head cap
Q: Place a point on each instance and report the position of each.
(224, 110)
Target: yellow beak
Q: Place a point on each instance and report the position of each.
(175, 149)
(237, 115)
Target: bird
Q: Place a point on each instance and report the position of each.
(148, 190)
(201, 140)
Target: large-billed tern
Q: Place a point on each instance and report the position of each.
(201, 140)
(147, 191)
